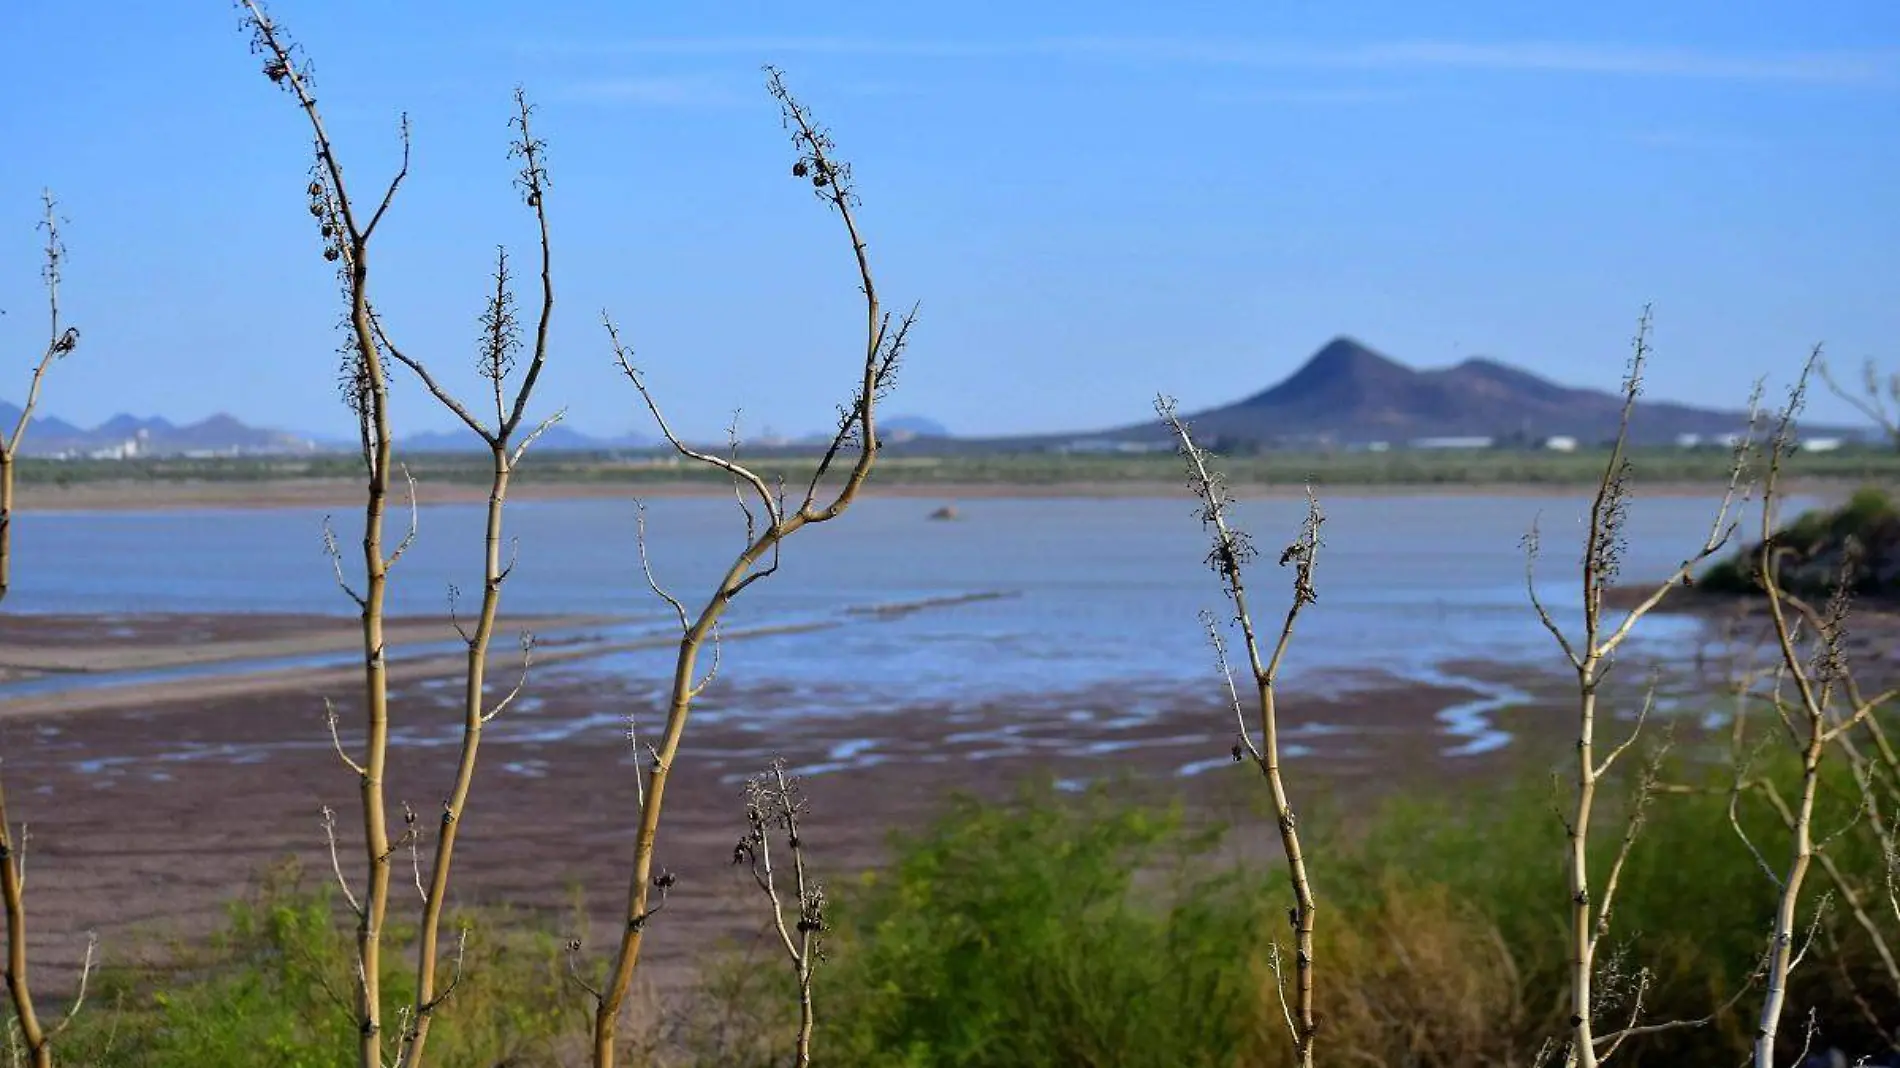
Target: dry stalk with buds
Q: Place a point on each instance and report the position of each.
(775, 804)
(770, 518)
(1232, 551)
(346, 242)
(35, 1038)
(346, 237)
(1821, 712)
(1592, 657)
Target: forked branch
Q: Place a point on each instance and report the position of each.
(345, 243)
(1877, 397)
(855, 445)
(1819, 681)
(1591, 655)
(1232, 551)
(500, 346)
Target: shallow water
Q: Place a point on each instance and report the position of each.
(1091, 593)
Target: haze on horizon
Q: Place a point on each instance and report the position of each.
(1092, 202)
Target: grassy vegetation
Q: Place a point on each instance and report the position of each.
(274, 987)
(1091, 930)
(1400, 468)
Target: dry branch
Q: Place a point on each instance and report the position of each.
(61, 340)
(1591, 656)
(855, 443)
(365, 386)
(501, 341)
(1821, 709)
(346, 243)
(1232, 550)
(1877, 397)
(775, 803)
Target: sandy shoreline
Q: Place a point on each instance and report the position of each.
(122, 662)
(348, 493)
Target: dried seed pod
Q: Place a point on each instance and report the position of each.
(800, 169)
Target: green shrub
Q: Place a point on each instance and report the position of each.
(274, 986)
(1048, 931)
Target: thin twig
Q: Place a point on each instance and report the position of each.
(336, 860)
(336, 738)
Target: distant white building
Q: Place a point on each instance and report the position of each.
(1099, 446)
(1452, 443)
(1821, 444)
(1561, 443)
(129, 449)
(1688, 441)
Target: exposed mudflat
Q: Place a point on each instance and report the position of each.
(150, 806)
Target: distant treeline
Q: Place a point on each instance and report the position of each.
(1446, 467)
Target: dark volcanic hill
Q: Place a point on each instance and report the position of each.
(1348, 394)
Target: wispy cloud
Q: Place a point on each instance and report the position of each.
(661, 92)
(1555, 58)
(1314, 95)
(1838, 67)
(1697, 141)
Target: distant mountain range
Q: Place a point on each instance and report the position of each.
(910, 426)
(1347, 394)
(562, 438)
(556, 438)
(124, 436)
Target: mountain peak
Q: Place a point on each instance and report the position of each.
(1348, 354)
(1349, 393)
(1486, 365)
(1343, 370)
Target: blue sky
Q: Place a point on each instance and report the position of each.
(1093, 201)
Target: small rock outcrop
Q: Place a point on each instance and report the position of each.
(1860, 539)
